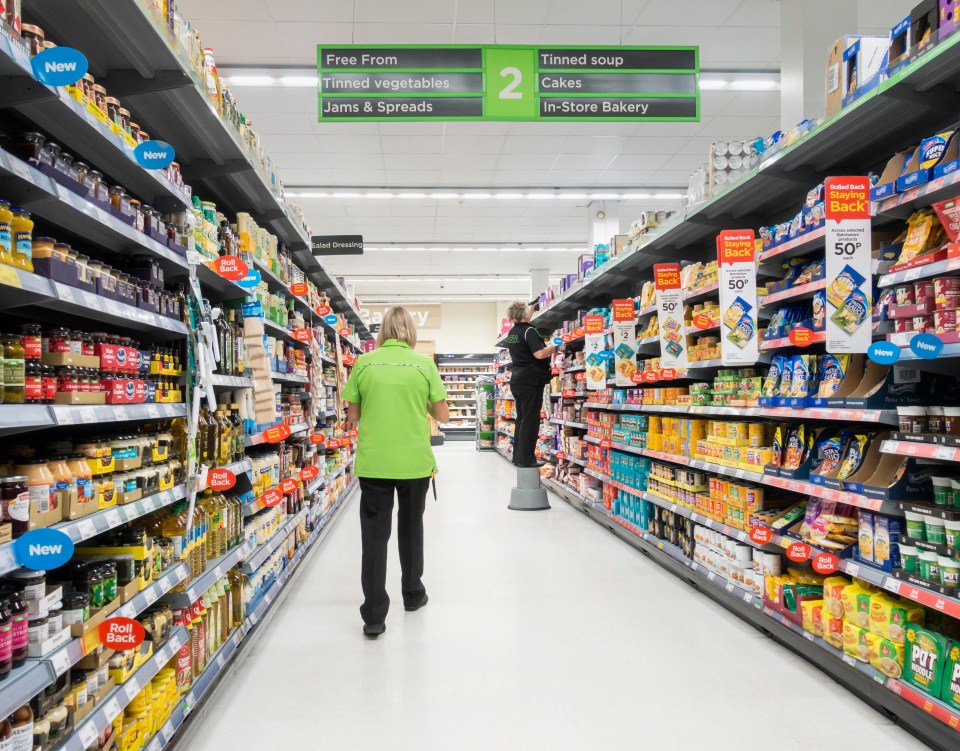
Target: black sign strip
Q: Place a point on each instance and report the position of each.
(401, 107)
(333, 84)
(400, 58)
(558, 58)
(627, 108)
(617, 83)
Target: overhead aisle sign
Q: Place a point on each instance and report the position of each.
(504, 82)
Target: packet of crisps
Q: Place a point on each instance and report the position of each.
(854, 311)
(846, 282)
(736, 311)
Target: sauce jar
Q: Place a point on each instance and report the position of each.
(49, 374)
(31, 340)
(15, 500)
(30, 147)
(113, 110)
(38, 630)
(76, 608)
(33, 584)
(100, 97)
(33, 36)
(33, 383)
(40, 484)
(13, 369)
(99, 190)
(22, 226)
(21, 636)
(49, 153)
(65, 165)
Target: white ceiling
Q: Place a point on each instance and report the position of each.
(251, 36)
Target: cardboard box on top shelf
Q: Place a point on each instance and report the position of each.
(864, 63)
(898, 52)
(836, 81)
(949, 19)
(924, 25)
(887, 184)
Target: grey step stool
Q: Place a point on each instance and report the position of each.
(528, 495)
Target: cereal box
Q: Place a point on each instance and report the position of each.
(925, 657)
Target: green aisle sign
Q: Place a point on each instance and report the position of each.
(503, 82)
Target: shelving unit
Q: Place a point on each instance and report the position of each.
(139, 63)
(460, 374)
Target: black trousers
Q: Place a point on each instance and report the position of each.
(529, 401)
(376, 517)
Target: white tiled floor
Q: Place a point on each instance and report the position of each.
(543, 632)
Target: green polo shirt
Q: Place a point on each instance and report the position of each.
(392, 385)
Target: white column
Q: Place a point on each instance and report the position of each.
(808, 29)
(603, 222)
(539, 281)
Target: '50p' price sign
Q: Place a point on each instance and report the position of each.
(673, 338)
(736, 252)
(849, 293)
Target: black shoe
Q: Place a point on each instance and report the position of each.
(535, 465)
(373, 630)
(411, 608)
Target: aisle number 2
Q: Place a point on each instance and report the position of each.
(510, 90)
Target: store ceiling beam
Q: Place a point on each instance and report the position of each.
(202, 169)
(123, 83)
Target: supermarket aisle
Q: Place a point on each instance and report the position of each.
(542, 632)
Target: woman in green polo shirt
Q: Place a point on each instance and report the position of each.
(391, 392)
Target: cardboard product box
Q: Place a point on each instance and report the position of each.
(887, 184)
(42, 519)
(950, 692)
(125, 391)
(48, 645)
(899, 50)
(53, 597)
(924, 25)
(62, 359)
(949, 17)
(925, 658)
(836, 81)
(88, 629)
(82, 398)
(864, 62)
(6, 532)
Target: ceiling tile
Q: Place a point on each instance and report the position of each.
(526, 161)
(472, 144)
(594, 145)
(410, 144)
(526, 12)
(638, 161)
(468, 161)
(198, 11)
(421, 11)
(412, 162)
(579, 34)
(662, 145)
(592, 162)
(533, 144)
(713, 13)
(578, 13)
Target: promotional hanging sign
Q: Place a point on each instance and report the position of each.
(251, 280)
(596, 372)
(42, 549)
(736, 258)
(276, 434)
(624, 342)
(231, 267)
(323, 310)
(59, 66)
(673, 338)
(310, 473)
(154, 154)
(507, 82)
(299, 289)
(121, 633)
(849, 267)
(272, 498)
(221, 479)
(301, 335)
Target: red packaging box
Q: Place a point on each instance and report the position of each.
(113, 357)
(132, 391)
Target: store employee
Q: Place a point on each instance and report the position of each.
(530, 373)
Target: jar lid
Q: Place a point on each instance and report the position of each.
(23, 574)
(44, 240)
(15, 478)
(31, 29)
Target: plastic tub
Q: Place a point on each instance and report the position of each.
(936, 530)
(929, 565)
(949, 571)
(942, 491)
(951, 420)
(952, 527)
(910, 558)
(915, 525)
(955, 488)
(912, 419)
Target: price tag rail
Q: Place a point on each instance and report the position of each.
(887, 417)
(257, 438)
(259, 555)
(288, 377)
(231, 382)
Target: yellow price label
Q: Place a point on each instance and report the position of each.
(10, 277)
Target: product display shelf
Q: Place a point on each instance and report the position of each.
(569, 423)
(61, 207)
(78, 131)
(231, 382)
(800, 292)
(214, 572)
(806, 243)
(598, 475)
(220, 663)
(880, 416)
(260, 554)
(257, 439)
(701, 293)
(567, 458)
(86, 733)
(851, 142)
(26, 681)
(288, 377)
(19, 418)
(340, 301)
(925, 716)
(327, 382)
(921, 450)
(926, 271)
(21, 289)
(134, 60)
(101, 521)
(576, 395)
(240, 467)
(323, 480)
(576, 369)
(280, 332)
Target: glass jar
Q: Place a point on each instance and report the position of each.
(6, 233)
(49, 374)
(20, 611)
(87, 346)
(124, 123)
(31, 340)
(33, 36)
(15, 500)
(6, 642)
(99, 190)
(31, 147)
(38, 630)
(136, 211)
(113, 110)
(33, 383)
(87, 83)
(40, 485)
(76, 608)
(82, 169)
(56, 341)
(135, 132)
(22, 226)
(65, 165)
(100, 97)
(68, 380)
(83, 271)
(49, 153)
(13, 369)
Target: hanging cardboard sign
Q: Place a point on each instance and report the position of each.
(849, 265)
(624, 342)
(593, 345)
(736, 258)
(673, 338)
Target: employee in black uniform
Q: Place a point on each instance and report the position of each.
(530, 373)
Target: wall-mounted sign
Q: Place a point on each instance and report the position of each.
(337, 245)
(425, 316)
(504, 82)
